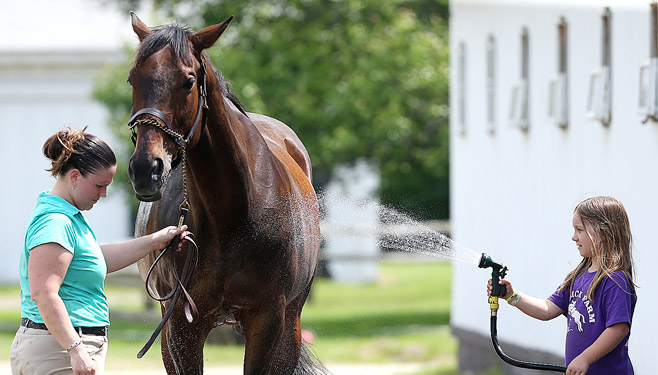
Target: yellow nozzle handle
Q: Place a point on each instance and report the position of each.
(493, 304)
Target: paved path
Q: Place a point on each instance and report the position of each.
(336, 369)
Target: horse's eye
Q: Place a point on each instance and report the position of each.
(189, 83)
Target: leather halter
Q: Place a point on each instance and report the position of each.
(201, 114)
(189, 307)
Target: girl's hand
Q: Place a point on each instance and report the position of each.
(507, 283)
(163, 237)
(578, 366)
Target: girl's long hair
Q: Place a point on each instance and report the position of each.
(608, 227)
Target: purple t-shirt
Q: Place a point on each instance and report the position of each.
(613, 302)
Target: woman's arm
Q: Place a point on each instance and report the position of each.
(46, 270)
(121, 255)
(609, 339)
(537, 308)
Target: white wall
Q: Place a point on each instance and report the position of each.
(49, 54)
(513, 191)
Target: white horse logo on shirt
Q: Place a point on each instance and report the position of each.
(576, 315)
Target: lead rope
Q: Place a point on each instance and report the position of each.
(189, 307)
(191, 312)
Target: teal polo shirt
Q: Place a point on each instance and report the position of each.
(54, 220)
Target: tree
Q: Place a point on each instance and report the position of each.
(353, 78)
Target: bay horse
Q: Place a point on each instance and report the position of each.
(246, 179)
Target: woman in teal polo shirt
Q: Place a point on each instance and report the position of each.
(64, 310)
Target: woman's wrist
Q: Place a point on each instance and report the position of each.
(73, 346)
(152, 241)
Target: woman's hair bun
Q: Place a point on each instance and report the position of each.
(68, 149)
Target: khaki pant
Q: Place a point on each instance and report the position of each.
(36, 352)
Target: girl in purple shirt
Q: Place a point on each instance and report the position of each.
(597, 297)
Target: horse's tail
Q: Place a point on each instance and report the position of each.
(309, 363)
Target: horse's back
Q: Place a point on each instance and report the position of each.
(283, 142)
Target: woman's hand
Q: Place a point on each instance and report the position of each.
(81, 361)
(123, 254)
(163, 237)
(507, 283)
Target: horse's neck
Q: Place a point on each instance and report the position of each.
(221, 164)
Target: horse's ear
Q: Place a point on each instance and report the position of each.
(207, 37)
(140, 27)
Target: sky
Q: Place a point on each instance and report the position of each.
(56, 25)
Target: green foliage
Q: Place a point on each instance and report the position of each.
(354, 78)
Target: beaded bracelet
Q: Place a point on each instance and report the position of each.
(73, 346)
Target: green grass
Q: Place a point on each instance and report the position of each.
(402, 317)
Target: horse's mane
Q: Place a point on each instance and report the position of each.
(224, 87)
(172, 35)
(176, 36)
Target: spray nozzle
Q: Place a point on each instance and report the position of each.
(498, 271)
(486, 262)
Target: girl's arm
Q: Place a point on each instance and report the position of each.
(609, 339)
(121, 255)
(537, 308)
(46, 270)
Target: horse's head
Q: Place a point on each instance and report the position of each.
(168, 80)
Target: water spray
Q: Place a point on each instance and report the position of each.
(498, 272)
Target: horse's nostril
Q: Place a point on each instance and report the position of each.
(158, 167)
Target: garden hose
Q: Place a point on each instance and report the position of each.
(498, 272)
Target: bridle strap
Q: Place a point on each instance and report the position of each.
(201, 115)
(202, 109)
(151, 111)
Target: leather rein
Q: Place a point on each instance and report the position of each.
(189, 307)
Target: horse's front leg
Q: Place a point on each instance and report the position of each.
(182, 345)
(262, 329)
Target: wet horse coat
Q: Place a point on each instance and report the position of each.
(253, 209)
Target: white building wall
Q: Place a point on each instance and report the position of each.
(513, 191)
(50, 53)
